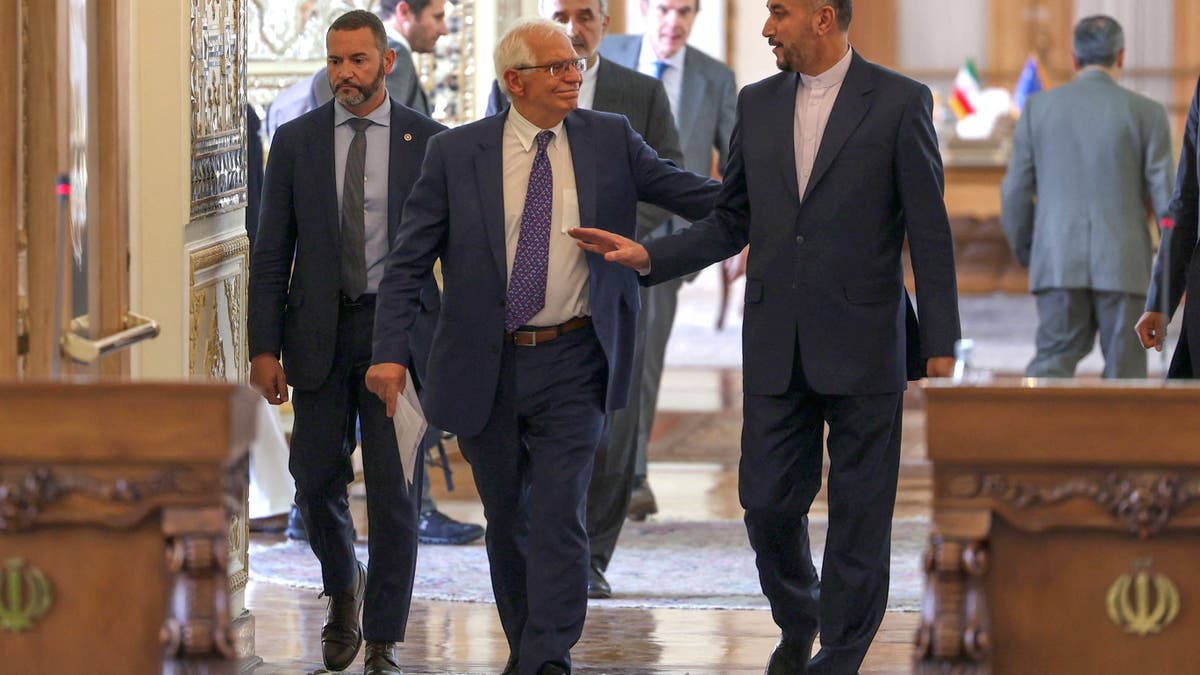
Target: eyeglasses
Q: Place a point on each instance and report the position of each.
(558, 68)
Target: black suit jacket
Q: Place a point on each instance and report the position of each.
(294, 282)
(825, 272)
(1184, 265)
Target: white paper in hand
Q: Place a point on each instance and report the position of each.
(410, 425)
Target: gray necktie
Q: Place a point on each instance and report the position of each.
(354, 235)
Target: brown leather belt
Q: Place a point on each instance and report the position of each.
(533, 337)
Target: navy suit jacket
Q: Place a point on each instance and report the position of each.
(1183, 266)
(825, 273)
(295, 288)
(456, 212)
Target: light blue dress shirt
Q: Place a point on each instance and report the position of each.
(375, 193)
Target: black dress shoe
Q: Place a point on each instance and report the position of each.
(381, 659)
(295, 525)
(511, 667)
(342, 635)
(435, 527)
(598, 587)
(551, 668)
(790, 658)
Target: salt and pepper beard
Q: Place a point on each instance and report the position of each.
(365, 92)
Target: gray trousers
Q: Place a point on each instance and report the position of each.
(1068, 322)
(623, 455)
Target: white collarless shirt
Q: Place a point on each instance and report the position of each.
(815, 96)
(567, 272)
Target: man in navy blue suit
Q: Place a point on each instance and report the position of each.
(333, 192)
(833, 163)
(535, 339)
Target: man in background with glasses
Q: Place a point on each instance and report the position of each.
(535, 341)
(610, 87)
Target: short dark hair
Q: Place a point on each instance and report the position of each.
(387, 8)
(361, 18)
(1098, 40)
(844, 9)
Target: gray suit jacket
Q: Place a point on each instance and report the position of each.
(643, 101)
(707, 101)
(403, 84)
(1087, 159)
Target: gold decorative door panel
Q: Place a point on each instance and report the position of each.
(216, 315)
(218, 95)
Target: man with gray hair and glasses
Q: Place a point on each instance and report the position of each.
(534, 344)
(1088, 158)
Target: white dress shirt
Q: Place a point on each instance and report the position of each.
(587, 90)
(567, 273)
(814, 103)
(375, 181)
(672, 78)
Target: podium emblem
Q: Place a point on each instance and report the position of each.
(1143, 603)
(25, 596)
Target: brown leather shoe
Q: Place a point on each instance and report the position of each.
(641, 502)
(381, 659)
(342, 635)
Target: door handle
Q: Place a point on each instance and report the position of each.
(86, 350)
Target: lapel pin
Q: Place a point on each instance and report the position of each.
(407, 137)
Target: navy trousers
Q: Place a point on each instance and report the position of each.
(778, 477)
(322, 440)
(532, 462)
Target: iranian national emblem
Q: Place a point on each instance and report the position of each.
(1143, 603)
(25, 596)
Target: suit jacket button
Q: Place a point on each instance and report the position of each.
(800, 239)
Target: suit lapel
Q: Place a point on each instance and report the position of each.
(579, 135)
(691, 95)
(608, 92)
(782, 120)
(400, 162)
(848, 111)
(325, 166)
(489, 180)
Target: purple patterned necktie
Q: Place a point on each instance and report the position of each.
(527, 283)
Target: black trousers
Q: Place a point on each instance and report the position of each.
(780, 474)
(320, 463)
(532, 463)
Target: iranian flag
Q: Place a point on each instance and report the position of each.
(966, 91)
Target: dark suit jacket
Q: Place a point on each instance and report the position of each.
(826, 272)
(456, 212)
(1184, 264)
(643, 101)
(294, 283)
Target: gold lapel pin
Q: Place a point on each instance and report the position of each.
(407, 137)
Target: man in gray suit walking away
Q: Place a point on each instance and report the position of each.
(1088, 157)
(703, 99)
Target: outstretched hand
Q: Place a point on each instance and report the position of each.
(612, 246)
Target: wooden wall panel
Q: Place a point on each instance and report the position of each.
(110, 283)
(1187, 60)
(873, 31)
(45, 110)
(9, 182)
(1018, 28)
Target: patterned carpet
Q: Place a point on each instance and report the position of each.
(663, 564)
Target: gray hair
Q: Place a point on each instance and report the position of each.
(513, 48)
(1098, 40)
(603, 6)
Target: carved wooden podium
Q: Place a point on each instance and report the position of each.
(115, 507)
(1066, 529)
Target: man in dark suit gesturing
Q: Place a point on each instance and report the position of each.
(535, 339)
(825, 337)
(335, 185)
